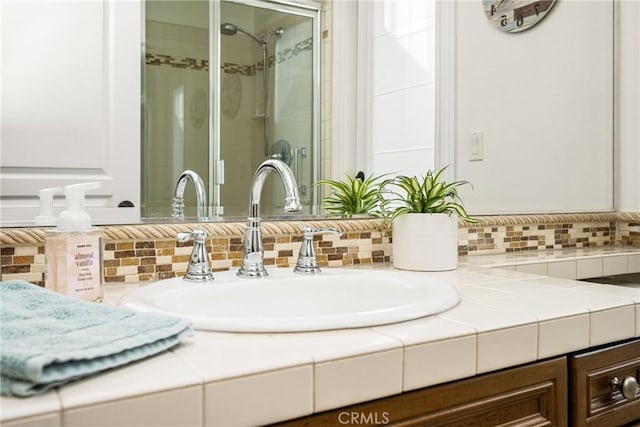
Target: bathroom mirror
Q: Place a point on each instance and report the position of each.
(75, 137)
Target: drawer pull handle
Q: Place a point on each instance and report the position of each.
(628, 387)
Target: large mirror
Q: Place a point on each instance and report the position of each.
(399, 94)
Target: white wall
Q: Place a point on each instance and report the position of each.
(627, 107)
(543, 101)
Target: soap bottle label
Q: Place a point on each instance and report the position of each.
(83, 267)
(55, 254)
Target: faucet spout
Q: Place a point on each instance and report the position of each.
(177, 206)
(252, 264)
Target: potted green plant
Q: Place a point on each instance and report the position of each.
(354, 196)
(424, 213)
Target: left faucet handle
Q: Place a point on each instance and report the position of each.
(199, 269)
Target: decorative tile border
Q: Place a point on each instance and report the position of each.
(150, 251)
(168, 60)
(300, 47)
(243, 70)
(516, 238)
(159, 259)
(159, 59)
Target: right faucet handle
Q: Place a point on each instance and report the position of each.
(307, 260)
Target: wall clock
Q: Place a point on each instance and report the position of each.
(513, 16)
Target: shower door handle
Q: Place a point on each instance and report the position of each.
(299, 154)
(220, 172)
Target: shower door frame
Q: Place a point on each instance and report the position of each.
(304, 8)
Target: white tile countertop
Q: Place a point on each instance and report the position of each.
(571, 263)
(507, 317)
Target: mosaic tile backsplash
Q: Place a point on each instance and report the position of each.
(150, 252)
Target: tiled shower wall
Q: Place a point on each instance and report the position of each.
(176, 112)
(150, 252)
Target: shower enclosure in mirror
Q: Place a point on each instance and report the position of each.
(226, 85)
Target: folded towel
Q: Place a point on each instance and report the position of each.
(47, 339)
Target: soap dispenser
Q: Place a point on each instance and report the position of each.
(46, 217)
(73, 250)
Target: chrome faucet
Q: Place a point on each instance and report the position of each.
(177, 206)
(252, 264)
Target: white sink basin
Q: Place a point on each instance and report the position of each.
(287, 302)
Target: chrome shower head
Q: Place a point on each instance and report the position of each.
(228, 29)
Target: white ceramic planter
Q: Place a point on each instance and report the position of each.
(425, 242)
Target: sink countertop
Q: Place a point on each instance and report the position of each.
(507, 316)
(552, 255)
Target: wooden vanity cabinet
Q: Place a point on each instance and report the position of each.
(531, 395)
(573, 390)
(593, 401)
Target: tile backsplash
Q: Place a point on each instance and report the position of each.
(147, 252)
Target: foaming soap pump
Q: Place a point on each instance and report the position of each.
(46, 216)
(73, 250)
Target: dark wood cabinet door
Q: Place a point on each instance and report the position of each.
(594, 402)
(531, 395)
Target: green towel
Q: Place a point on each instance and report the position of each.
(47, 339)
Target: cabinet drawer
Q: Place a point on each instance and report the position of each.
(533, 395)
(594, 402)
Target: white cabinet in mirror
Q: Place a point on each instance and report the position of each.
(70, 105)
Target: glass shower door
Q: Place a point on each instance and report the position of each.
(228, 84)
(176, 101)
(266, 111)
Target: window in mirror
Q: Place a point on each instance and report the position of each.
(403, 86)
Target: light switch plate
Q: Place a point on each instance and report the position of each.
(476, 146)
